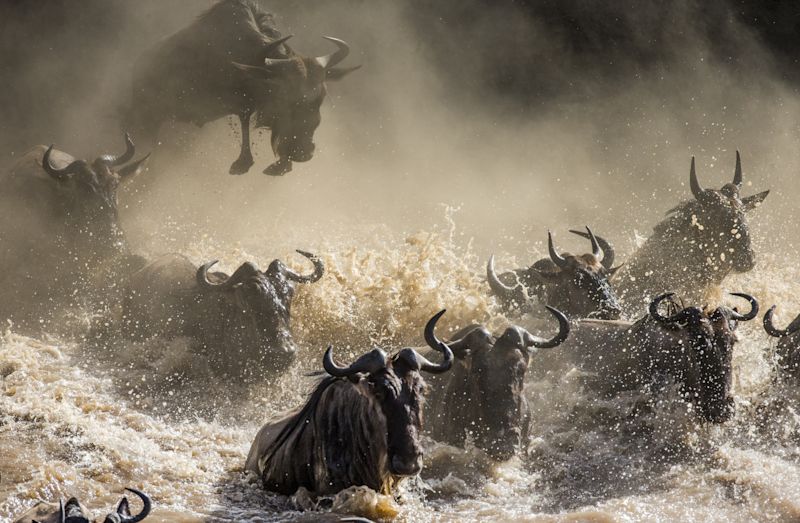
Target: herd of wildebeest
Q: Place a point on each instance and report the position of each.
(627, 325)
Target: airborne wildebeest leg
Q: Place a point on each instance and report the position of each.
(245, 160)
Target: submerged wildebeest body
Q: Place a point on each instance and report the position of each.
(233, 60)
(483, 396)
(360, 426)
(787, 353)
(73, 512)
(60, 237)
(692, 348)
(696, 246)
(240, 323)
(577, 285)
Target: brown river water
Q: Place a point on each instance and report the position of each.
(88, 421)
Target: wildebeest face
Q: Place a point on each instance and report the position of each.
(788, 350)
(90, 194)
(73, 512)
(718, 221)
(259, 308)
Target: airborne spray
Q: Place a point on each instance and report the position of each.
(471, 129)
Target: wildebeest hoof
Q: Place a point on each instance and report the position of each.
(279, 168)
(241, 166)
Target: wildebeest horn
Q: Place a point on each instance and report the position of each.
(59, 174)
(123, 514)
(204, 283)
(608, 250)
(133, 168)
(657, 316)
(769, 326)
(737, 173)
(125, 157)
(436, 344)
(371, 362)
(275, 44)
(334, 58)
(753, 308)
(319, 269)
(555, 341)
(497, 286)
(557, 259)
(697, 191)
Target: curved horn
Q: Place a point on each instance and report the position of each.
(555, 341)
(497, 286)
(753, 308)
(371, 362)
(204, 283)
(146, 507)
(130, 150)
(608, 250)
(737, 173)
(133, 168)
(653, 309)
(319, 269)
(334, 58)
(275, 44)
(436, 344)
(58, 174)
(697, 191)
(557, 259)
(769, 326)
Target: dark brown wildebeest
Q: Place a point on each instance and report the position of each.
(232, 60)
(240, 323)
(73, 512)
(788, 350)
(577, 285)
(700, 242)
(360, 426)
(483, 396)
(692, 348)
(59, 229)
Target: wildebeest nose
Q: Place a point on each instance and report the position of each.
(406, 466)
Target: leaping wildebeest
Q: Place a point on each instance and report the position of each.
(232, 60)
(73, 512)
(788, 350)
(691, 348)
(700, 242)
(239, 323)
(360, 426)
(59, 228)
(484, 395)
(578, 285)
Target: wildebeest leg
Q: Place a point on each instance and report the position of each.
(245, 160)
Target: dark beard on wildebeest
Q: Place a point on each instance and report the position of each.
(577, 285)
(360, 426)
(696, 246)
(233, 61)
(61, 237)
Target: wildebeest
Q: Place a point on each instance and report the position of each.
(59, 227)
(700, 242)
(483, 396)
(577, 285)
(692, 348)
(73, 512)
(240, 323)
(788, 350)
(360, 426)
(233, 60)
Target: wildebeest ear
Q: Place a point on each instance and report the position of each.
(254, 71)
(337, 73)
(613, 270)
(751, 202)
(124, 509)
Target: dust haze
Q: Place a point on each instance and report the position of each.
(511, 118)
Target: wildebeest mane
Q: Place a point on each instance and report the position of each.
(245, 12)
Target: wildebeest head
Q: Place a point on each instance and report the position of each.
(788, 350)
(705, 370)
(497, 378)
(258, 311)
(717, 220)
(72, 512)
(396, 386)
(292, 89)
(576, 284)
(90, 192)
